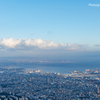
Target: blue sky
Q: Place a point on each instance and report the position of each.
(61, 21)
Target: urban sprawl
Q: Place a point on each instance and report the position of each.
(25, 84)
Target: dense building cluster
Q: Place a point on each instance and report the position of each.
(19, 84)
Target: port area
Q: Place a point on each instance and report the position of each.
(86, 72)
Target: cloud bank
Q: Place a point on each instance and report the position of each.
(37, 44)
(95, 5)
(97, 45)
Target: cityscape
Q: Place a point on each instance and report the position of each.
(49, 49)
(28, 84)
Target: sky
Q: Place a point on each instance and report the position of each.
(50, 28)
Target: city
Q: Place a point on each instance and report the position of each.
(21, 84)
(49, 49)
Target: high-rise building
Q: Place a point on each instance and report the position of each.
(97, 89)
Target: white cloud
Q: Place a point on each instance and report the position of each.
(10, 42)
(97, 45)
(39, 44)
(96, 5)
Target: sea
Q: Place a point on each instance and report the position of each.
(62, 68)
(58, 67)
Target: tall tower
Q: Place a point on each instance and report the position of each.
(97, 89)
(48, 80)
